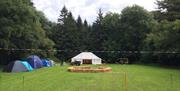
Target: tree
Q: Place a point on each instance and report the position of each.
(79, 23)
(165, 40)
(65, 35)
(136, 23)
(47, 25)
(97, 33)
(168, 9)
(100, 17)
(85, 23)
(113, 36)
(20, 28)
(63, 16)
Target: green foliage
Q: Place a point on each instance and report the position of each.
(65, 34)
(47, 25)
(165, 36)
(126, 32)
(113, 36)
(136, 22)
(120, 32)
(168, 9)
(79, 23)
(97, 33)
(85, 24)
(20, 28)
(165, 39)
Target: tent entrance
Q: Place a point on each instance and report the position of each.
(87, 61)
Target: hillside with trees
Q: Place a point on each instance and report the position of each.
(137, 34)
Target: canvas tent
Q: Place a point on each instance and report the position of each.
(35, 61)
(87, 58)
(18, 66)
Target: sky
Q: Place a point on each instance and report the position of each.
(88, 9)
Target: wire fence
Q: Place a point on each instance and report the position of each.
(96, 51)
(11, 54)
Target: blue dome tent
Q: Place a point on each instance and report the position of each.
(18, 66)
(46, 63)
(35, 61)
(27, 65)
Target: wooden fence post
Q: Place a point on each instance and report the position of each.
(23, 83)
(171, 79)
(125, 81)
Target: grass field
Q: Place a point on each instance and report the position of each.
(139, 78)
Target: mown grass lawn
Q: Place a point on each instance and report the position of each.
(139, 78)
